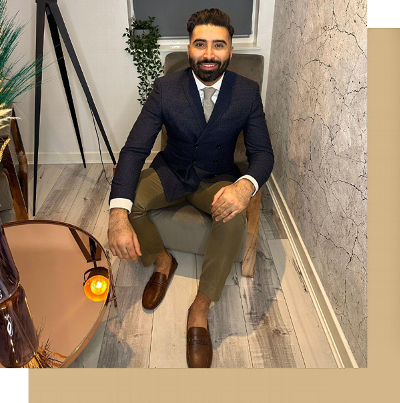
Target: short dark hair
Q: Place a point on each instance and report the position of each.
(212, 16)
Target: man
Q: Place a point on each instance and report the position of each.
(197, 165)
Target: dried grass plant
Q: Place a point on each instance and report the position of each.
(13, 80)
(44, 357)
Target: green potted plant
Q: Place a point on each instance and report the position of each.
(143, 46)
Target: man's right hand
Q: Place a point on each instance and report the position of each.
(122, 239)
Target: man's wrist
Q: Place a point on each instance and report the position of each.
(120, 212)
(249, 184)
(252, 181)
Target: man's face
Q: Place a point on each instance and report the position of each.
(209, 52)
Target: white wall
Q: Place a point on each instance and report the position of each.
(95, 28)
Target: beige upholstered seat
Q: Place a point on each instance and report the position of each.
(183, 227)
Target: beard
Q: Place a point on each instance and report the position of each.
(212, 75)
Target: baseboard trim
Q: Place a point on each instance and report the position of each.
(334, 333)
(75, 157)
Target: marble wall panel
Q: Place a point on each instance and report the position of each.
(316, 112)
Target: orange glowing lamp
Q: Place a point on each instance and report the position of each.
(97, 284)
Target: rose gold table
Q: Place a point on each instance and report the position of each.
(52, 258)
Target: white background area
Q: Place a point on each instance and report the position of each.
(383, 13)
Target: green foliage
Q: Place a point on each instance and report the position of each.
(144, 49)
(12, 84)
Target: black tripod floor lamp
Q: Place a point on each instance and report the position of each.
(56, 25)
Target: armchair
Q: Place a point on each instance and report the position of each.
(183, 227)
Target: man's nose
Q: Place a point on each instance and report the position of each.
(209, 52)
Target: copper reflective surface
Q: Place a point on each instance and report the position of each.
(51, 265)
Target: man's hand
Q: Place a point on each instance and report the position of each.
(122, 238)
(230, 200)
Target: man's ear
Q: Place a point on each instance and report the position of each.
(231, 52)
(188, 49)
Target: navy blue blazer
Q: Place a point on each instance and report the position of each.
(196, 150)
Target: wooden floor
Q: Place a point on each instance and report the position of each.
(265, 322)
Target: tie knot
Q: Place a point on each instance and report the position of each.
(208, 93)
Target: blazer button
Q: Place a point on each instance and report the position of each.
(194, 161)
(218, 145)
(196, 146)
(215, 162)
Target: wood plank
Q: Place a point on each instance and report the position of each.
(57, 205)
(275, 226)
(61, 197)
(267, 203)
(47, 177)
(31, 173)
(89, 200)
(228, 331)
(72, 177)
(312, 340)
(268, 227)
(272, 339)
(101, 227)
(168, 345)
(127, 336)
(131, 274)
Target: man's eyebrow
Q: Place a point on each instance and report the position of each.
(215, 41)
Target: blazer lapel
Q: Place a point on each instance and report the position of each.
(193, 97)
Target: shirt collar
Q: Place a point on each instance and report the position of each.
(200, 85)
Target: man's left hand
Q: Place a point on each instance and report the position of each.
(230, 200)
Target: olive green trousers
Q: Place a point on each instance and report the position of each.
(224, 240)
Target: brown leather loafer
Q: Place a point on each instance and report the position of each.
(157, 286)
(199, 349)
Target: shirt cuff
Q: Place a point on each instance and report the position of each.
(121, 203)
(252, 180)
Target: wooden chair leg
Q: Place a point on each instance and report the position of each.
(253, 220)
(18, 199)
(22, 160)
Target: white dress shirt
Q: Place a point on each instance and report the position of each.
(127, 204)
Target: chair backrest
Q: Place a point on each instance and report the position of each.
(247, 65)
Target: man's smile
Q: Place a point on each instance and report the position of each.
(208, 66)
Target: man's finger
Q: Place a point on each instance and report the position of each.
(136, 245)
(222, 213)
(119, 253)
(217, 195)
(126, 253)
(230, 216)
(130, 250)
(219, 207)
(116, 250)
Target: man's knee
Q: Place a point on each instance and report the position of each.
(240, 218)
(236, 223)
